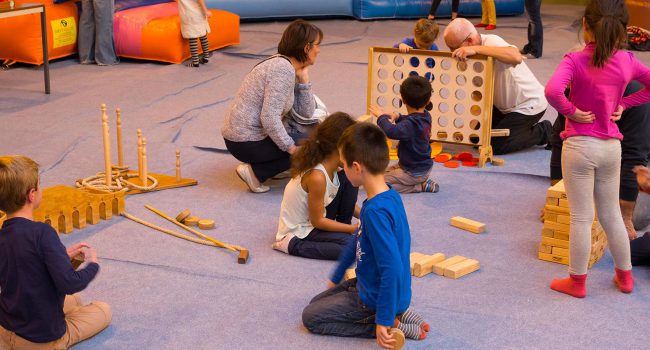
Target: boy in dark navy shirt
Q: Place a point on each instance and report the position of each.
(411, 174)
(378, 298)
(38, 305)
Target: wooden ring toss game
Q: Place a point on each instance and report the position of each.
(461, 101)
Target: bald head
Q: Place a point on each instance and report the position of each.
(459, 31)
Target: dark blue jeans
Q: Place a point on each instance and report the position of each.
(339, 311)
(326, 245)
(535, 29)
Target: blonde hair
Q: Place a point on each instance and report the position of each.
(426, 30)
(18, 176)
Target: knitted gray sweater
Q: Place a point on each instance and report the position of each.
(267, 94)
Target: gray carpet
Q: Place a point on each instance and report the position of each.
(171, 294)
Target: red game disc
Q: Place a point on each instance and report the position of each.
(465, 157)
(441, 158)
(451, 164)
(470, 163)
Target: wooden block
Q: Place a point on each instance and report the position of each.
(461, 269)
(563, 219)
(467, 224)
(560, 251)
(556, 226)
(243, 256)
(557, 190)
(192, 221)
(563, 203)
(550, 217)
(183, 215)
(415, 257)
(349, 274)
(557, 209)
(561, 235)
(552, 201)
(424, 266)
(206, 224)
(499, 132)
(555, 242)
(498, 161)
(553, 258)
(438, 268)
(543, 248)
(547, 232)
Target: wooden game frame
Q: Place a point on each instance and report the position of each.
(480, 110)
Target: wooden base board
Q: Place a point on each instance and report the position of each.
(165, 182)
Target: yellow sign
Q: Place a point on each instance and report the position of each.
(64, 32)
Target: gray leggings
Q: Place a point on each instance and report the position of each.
(591, 169)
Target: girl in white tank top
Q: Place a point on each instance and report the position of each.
(304, 228)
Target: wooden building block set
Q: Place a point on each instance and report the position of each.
(554, 246)
(454, 267)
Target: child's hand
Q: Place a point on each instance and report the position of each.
(616, 116)
(582, 117)
(403, 48)
(384, 339)
(393, 116)
(91, 255)
(330, 285)
(642, 178)
(77, 249)
(462, 53)
(354, 228)
(375, 110)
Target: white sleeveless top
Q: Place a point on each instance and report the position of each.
(294, 211)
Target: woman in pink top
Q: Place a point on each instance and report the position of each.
(591, 154)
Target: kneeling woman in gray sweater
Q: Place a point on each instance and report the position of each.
(253, 129)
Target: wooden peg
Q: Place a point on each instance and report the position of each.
(144, 162)
(118, 121)
(178, 165)
(139, 153)
(107, 146)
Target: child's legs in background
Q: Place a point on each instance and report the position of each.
(205, 47)
(606, 193)
(319, 244)
(578, 169)
(404, 182)
(341, 208)
(194, 50)
(339, 311)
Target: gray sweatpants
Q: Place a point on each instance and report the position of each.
(591, 169)
(96, 44)
(404, 182)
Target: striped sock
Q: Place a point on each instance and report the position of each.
(411, 331)
(194, 50)
(413, 318)
(430, 186)
(204, 46)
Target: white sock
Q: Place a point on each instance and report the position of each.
(283, 244)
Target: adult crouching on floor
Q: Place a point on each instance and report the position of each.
(253, 128)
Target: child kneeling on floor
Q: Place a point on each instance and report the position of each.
(411, 174)
(38, 305)
(319, 201)
(379, 297)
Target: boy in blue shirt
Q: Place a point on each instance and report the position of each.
(411, 174)
(378, 298)
(38, 305)
(424, 34)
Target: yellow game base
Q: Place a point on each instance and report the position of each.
(165, 182)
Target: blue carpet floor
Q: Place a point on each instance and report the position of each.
(171, 294)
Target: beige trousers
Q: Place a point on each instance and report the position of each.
(404, 182)
(83, 321)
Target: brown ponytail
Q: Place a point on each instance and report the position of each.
(321, 143)
(607, 20)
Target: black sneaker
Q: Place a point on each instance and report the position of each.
(203, 60)
(192, 65)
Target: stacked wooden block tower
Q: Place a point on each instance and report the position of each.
(555, 233)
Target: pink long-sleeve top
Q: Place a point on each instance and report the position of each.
(598, 90)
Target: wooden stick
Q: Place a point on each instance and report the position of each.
(144, 162)
(107, 147)
(178, 165)
(227, 246)
(120, 155)
(139, 154)
(169, 232)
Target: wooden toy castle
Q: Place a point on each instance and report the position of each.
(555, 233)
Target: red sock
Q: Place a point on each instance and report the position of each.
(574, 285)
(624, 280)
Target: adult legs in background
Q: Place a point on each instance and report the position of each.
(489, 15)
(96, 44)
(535, 29)
(264, 157)
(86, 39)
(525, 131)
(339, 311)
(436, 3)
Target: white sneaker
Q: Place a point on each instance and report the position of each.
(283, 244)
(245, 173)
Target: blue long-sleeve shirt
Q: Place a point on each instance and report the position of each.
(411, 42)
(381, 249)
(35, 276)
(413, 132)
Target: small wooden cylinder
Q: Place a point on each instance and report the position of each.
(191, 221)
(107, 146)
(178, 165)
(145, 179)
(206, 224)
(183, 215)
(118, 121)
(139, 154)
